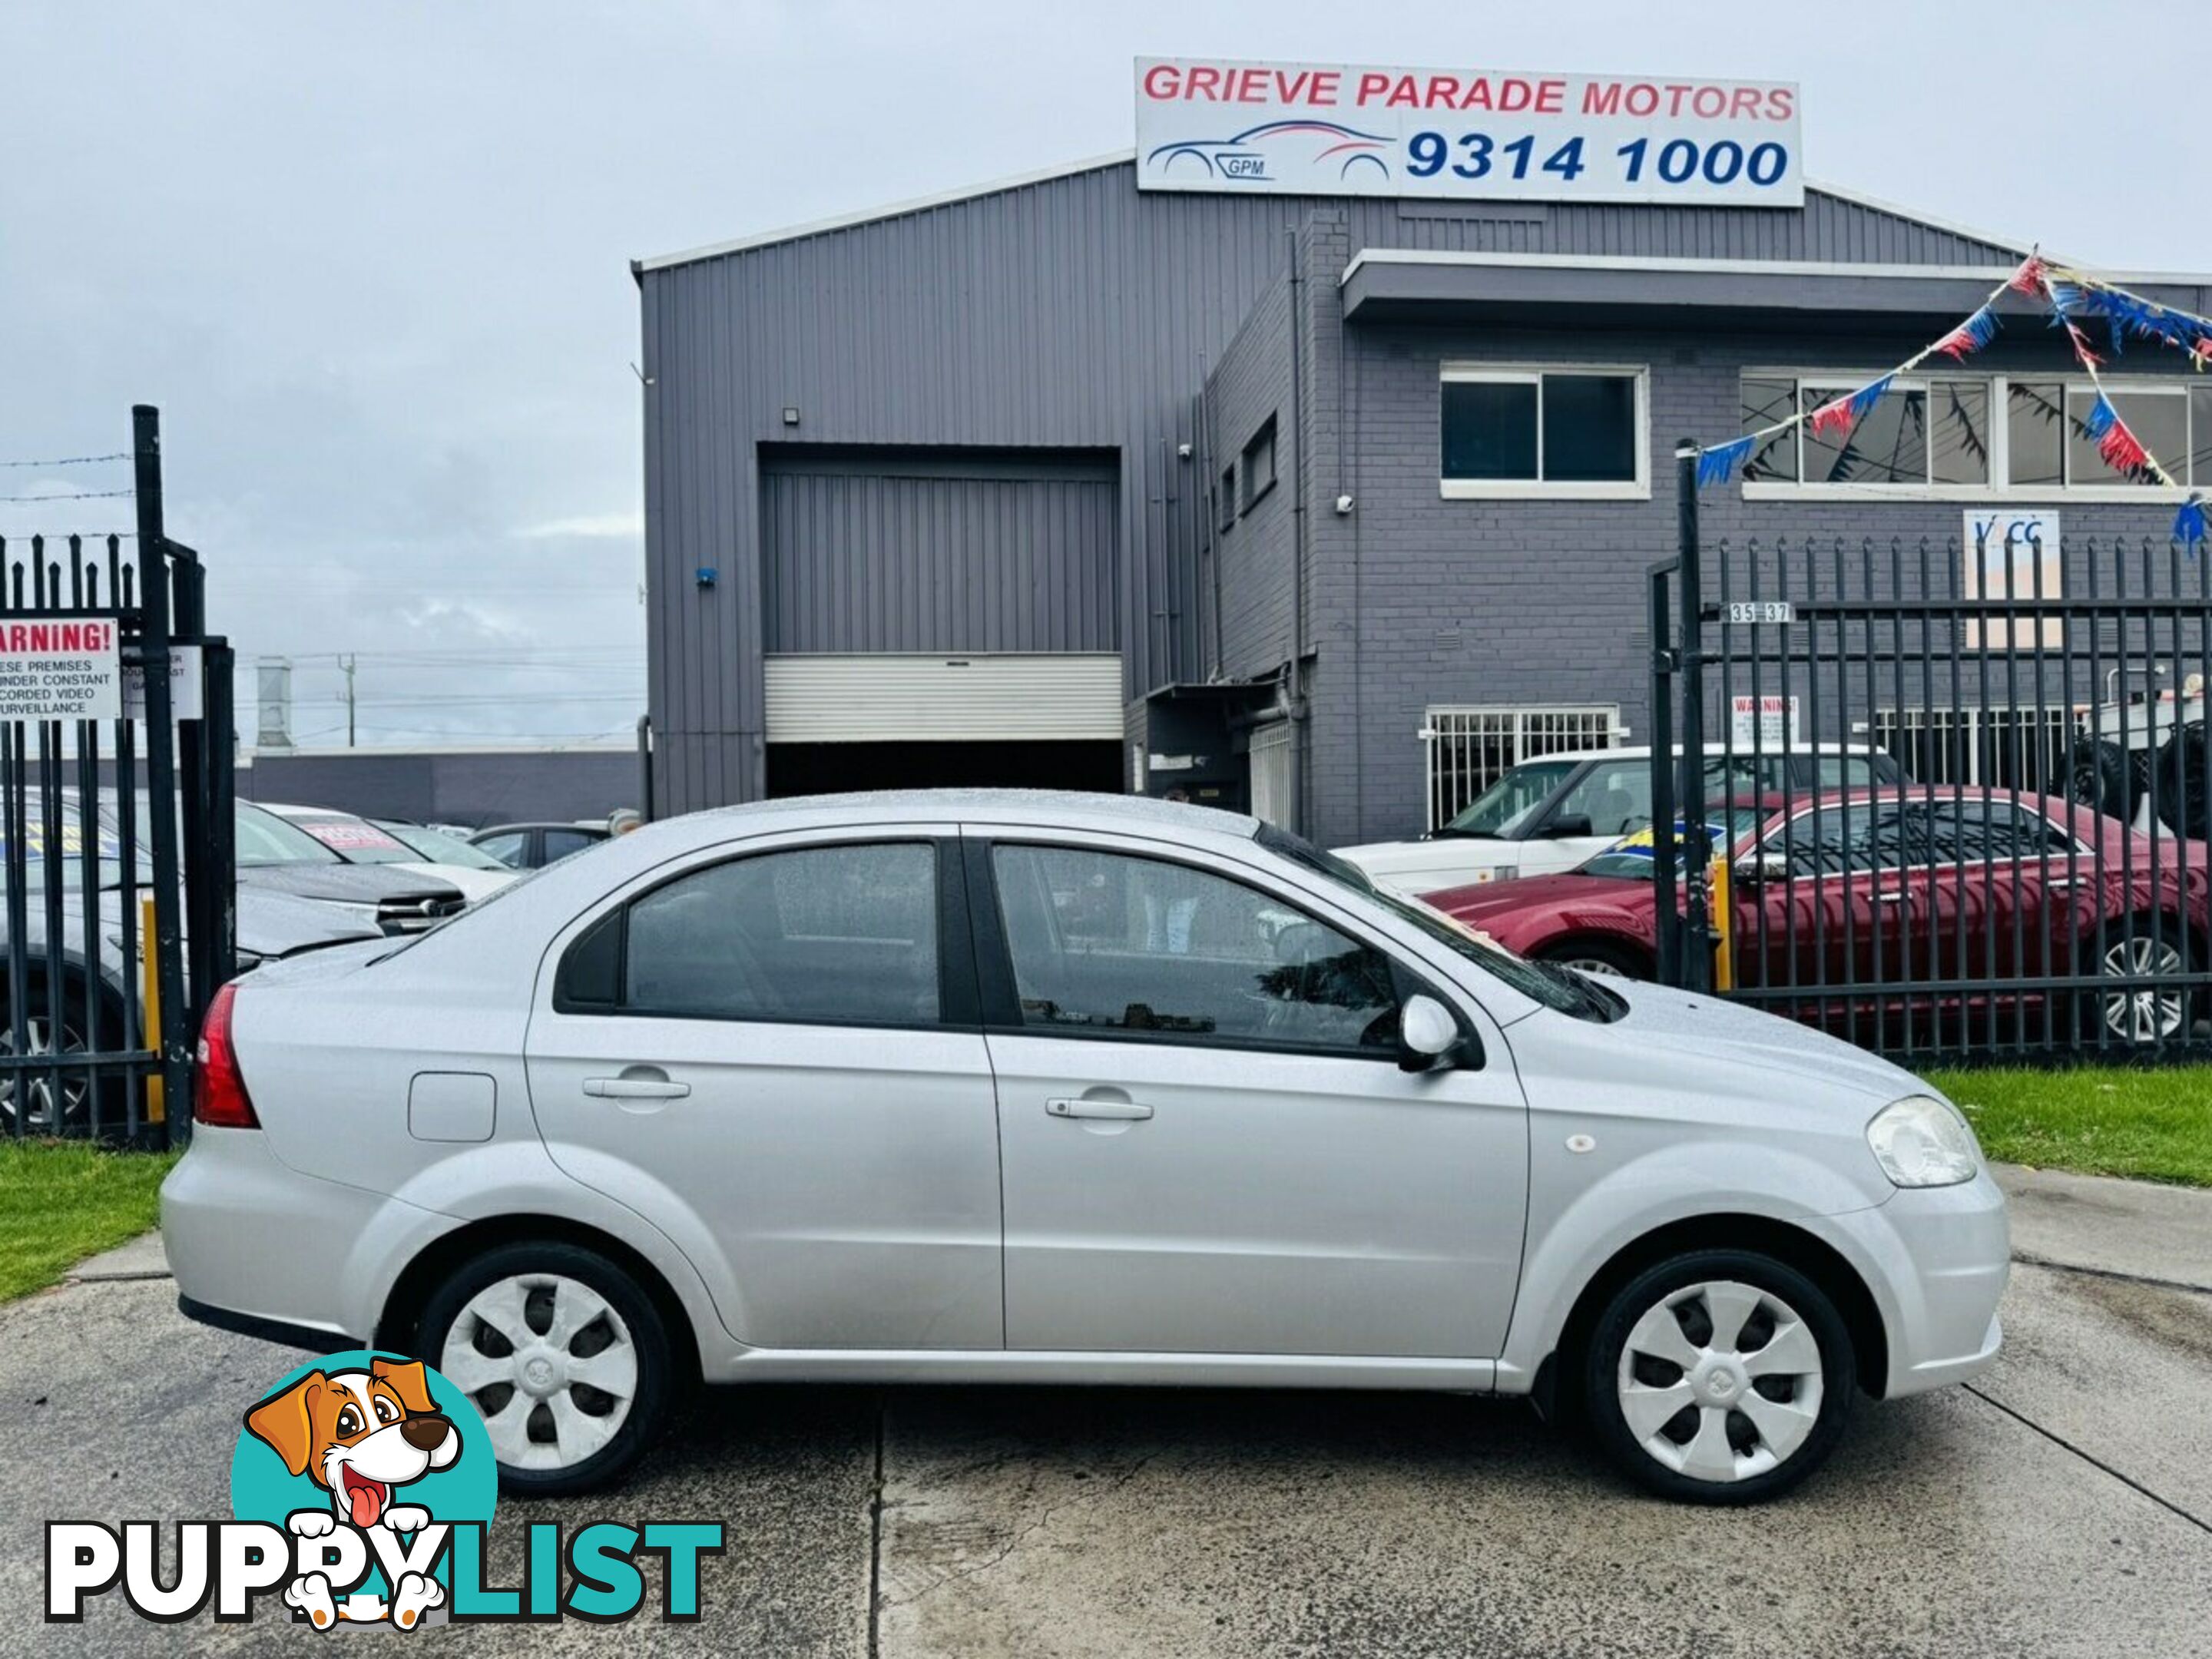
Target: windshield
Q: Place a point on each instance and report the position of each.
(69, 849)
(265, 839)
(436, 847)
(1631, 857)
(355, 839)
(1559, 989)
(1508, 804)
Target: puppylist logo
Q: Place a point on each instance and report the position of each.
(363, 1486)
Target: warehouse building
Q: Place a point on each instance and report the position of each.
(1325, 504)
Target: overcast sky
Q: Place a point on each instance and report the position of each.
(371, 259)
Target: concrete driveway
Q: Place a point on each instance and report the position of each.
(2061, 1506)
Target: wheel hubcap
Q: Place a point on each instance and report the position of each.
(2146, 1013)
(1590, 965)
(548, 1363)
(1720, 1381)
(37, 1088)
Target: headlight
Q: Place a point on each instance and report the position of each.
(1919, 1141)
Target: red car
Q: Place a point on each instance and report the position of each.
(1905, 906)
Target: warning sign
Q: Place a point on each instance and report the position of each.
(60, 670)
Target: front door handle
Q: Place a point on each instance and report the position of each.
(1123, 1111)
(636, 1083)
(1889, 899)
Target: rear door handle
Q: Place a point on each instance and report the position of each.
(1889, 899)
(639, 1083)
(1124, 1111)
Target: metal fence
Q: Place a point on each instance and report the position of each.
(1467, 750)
(115, 842)
(2029, 880)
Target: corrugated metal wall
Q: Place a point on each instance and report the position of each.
(864, 552)
(1073, 313)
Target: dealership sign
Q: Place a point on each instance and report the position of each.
(2013, 554)
(1469, 133)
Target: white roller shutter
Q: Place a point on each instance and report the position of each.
(894, 697)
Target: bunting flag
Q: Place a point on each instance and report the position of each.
(2189, 523)
(2071, 296)
(1717, 466)
(1970, 337)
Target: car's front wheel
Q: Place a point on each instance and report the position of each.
(1719, 1377)
(562, 1353)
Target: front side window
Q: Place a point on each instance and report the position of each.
(1614, 796)
(508, 846)
(816, 935)
(1504, 430)
(1107, 942)
(1508, 805)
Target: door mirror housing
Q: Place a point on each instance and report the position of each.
(1427, 1032)
(1568, 823)
(1756, 869)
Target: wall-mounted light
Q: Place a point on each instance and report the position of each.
(707, 575)
(791, 414)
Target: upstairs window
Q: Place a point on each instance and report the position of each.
(1972, 434)
(1258, 463)
(1543, 431)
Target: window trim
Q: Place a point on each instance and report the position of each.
(1779, 838)
(1261, 440)
(1462, 371)
(957, 996)
(2000, 389)
(1001, 1010)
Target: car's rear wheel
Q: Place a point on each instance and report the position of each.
(1719, 1377)
(31, 1102)
(1596, 957)
(564, 1355)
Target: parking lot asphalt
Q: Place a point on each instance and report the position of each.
(2060, 1505)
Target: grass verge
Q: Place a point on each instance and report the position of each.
(2151, 1125)
(62, 1202)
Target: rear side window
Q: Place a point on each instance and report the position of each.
(817, 935)
(560, 843)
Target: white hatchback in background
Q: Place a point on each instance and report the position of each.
(1560, 811)
(972, 1086)
(360, 841)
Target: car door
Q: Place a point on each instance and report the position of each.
(773, 1055)
(1826, 915)
(1208, 1145)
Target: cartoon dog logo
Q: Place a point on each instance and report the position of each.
(360, 1435)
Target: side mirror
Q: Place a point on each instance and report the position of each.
(1570, 823)
(1426, 1033)
(1755, 869)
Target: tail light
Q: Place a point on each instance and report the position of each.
(219, 1096)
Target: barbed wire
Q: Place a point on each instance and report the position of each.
(73, 461)
(74, 495)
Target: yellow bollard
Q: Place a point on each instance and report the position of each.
(1723, 911)
(149, 997)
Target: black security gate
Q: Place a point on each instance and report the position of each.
(116, 827)
(1954, 797)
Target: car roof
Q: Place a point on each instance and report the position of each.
(1049, 808)
(539, 823)
(1742, 751)
(284, 809)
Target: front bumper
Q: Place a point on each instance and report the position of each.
(1936, 1259)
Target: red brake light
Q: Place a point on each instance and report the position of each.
(219, 1096)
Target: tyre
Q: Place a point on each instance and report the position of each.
(2144, 1013)
(2181, 795)
(2106, 777)
(31, 1097)
(563, 1354)
(1719, 1377)
(1597, 957)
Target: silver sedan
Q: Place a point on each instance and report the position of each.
(1011, 1087)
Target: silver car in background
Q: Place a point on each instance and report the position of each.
(998, 1086)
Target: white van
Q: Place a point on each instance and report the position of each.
(1553, 812)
